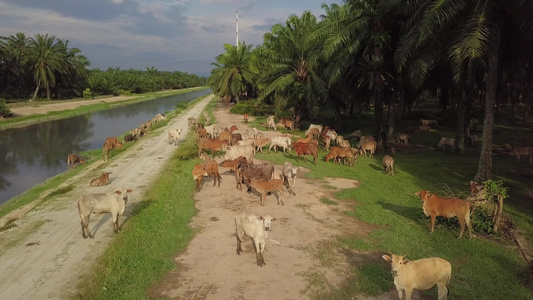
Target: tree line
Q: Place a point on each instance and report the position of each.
(44, 66)
(387, 53)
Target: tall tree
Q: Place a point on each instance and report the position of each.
(292, 77)
(47, 60)
(232, 75)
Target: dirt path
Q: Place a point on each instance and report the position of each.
(43, 254)
(305, 229)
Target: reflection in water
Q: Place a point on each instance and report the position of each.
(32, 154)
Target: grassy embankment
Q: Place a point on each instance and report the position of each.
(50, 187)
(486, 267)
(101, 105)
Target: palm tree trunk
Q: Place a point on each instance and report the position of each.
(36, 91)
(484, 171)
(527, 101)
(460, 129)
(391, 118)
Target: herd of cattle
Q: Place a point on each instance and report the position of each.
(240, 147)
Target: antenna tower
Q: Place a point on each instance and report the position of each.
(237, 28)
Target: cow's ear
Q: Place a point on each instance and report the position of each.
(118, 192)
(406, 261)
(386, 257)
(261, 218)
(417, 194)
(429, 195)
(273, 219)
(130, 190)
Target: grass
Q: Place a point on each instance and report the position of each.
(483, 268)
(102, 105)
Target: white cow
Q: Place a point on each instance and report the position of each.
(282, 141)
(319, 127)
(446, 141)
(233, 152)
(257, 228)
(271, 124)
(113, 203)
(420, 274)
(173, 136)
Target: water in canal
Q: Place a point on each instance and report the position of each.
(32, 154)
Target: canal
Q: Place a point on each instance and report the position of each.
(32, 154)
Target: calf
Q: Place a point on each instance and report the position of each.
(200, 133)
(101, 180)
(435, 206)
(402, 137)
(158, 118)
(106, 148)
(289, 174)
(232, 163)
(235, 137)
(173, 136)
(113, 203)
(388, 163)
(306, 148)
(260, 143)
(337, 153)
(421, 274)
(446, 141)
(74, 158)
(313, 133)
(246, 117)
(265, 187)
(257, 229)
(115, 143)
(208, 168)
(225, 136)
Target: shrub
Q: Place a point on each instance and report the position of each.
(87, 94)
(4, 110)
(253, 107)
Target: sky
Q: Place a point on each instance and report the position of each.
(170, 35)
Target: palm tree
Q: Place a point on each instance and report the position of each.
(467, 31)
(13, 53)
(46, 59)
(292, 76)
(362, 40)
(232, 76)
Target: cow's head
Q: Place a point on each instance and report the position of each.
(397, 262)
(424, 195)
(267, 219)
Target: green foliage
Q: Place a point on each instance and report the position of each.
(253, 107)
(493, 188)
(4, 110)
(87, 94)
(482, 220)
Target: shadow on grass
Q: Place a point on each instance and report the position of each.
(412, 213)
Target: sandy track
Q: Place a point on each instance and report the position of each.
(43, 262)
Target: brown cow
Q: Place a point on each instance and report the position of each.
(435, 206)
(233, 128)
(232, 163)
(429, 123)
(268, 186)
(289, 125)
(102, 180)
(421, 274)
(337, 153)
(200, 133)
(225, 136)
(424, 128)
(73, 158)
(370, 146)
(388, 162)
(114, 142)
(246, 172)
(246, 117)
(208, 168)
(106, 148)
(313, 133)
(306, 148)
(211, 144)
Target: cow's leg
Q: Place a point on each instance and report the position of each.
(462, 223)
(239, 240)
(280, 196)
(262, 197)
(408, 293)
(443, 290)
(433, 217)
(259, 256)
(83, 226)
(115, 223)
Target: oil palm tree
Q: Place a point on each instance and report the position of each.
(232, 76)
(467, 32)
(13, 52)
(47, 60)
(292, 76)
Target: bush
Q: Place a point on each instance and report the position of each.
(87, 94)
(482, 220)
(4, 110)
(252, 107)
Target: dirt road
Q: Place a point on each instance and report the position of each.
(42, 256)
